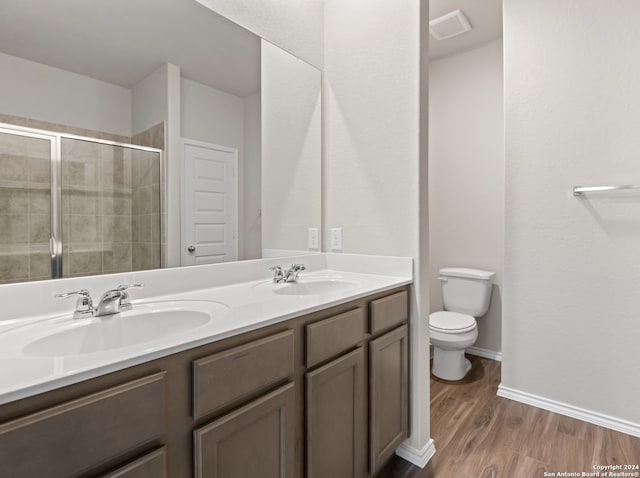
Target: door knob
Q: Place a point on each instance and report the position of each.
(191, 249)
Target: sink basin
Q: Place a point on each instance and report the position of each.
(144, 323)
(313, 286)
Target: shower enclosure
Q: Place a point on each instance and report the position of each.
(75, 206)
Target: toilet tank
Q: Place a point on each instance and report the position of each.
(467, 291)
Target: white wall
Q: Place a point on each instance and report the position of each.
(33, 90)
(291, 150)
(372, 173)
(294, 26)
(211, 115)
(217, 117)
(252, 173)
(466, 174)
(149, 101)
(572, 265)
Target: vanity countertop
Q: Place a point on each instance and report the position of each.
(234, 307)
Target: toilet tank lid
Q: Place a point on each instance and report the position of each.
(465, 272)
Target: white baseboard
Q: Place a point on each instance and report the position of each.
(589, 416)
(417, 457)
(485, 353)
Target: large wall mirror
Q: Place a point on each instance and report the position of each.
(147, 134)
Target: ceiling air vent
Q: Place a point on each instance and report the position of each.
(449, 25)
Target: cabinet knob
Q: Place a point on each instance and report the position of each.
(191, 249)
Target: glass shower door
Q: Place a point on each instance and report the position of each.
(25, 206)
(110, 207)
(75, 206)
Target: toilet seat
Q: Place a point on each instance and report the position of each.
(451, 322)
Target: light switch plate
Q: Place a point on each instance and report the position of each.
(314, 238)
(336, 238)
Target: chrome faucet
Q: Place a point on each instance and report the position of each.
(291, 274)
(115, 300)
(112, 302)
(84, 306)
(278, 275)
(288, 275)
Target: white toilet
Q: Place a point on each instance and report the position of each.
(466, 294)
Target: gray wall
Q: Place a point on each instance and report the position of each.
(466, 174)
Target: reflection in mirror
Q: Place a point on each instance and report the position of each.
(105, 106)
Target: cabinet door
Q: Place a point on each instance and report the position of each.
(388, 395)
(336, 440)
(255, 441)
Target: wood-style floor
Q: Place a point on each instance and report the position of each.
(480, 435)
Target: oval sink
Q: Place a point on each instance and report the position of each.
(144, 323)
(313, 286)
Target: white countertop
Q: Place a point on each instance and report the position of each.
(236, 307)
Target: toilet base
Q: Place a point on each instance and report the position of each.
(450, 364)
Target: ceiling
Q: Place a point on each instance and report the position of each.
(485, 17)
(123, 41)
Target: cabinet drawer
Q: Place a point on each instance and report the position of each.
(73, 437)
(227, 377)
(151, 465)
(388, 312)
(329, 337)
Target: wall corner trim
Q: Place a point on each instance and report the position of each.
(485, 353)
(417, 457)
(572, 411)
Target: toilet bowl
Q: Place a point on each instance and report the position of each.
(450, 334)
(466, 294)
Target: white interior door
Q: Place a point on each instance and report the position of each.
(210, 204)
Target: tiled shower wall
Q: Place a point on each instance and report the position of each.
(145, 210)
(111, 213)
(25, 184)
(154, 137)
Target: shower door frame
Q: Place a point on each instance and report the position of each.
(55, 140)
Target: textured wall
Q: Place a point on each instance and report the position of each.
(291, 150)
(572, 266)
(374, 184)
(292, 25)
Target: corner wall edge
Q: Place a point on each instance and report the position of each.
(419, 457)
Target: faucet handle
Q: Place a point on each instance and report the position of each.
(124, 297)
(84, 306)
(278, 275)
(297, 267)
(123, 287)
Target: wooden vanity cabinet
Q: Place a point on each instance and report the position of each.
(357, 400)
(325, 394)
(388, 377)
(256, 439)
(335, 396)
(335, 438)
(388, 395)
(74, 437)
(151, 465)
